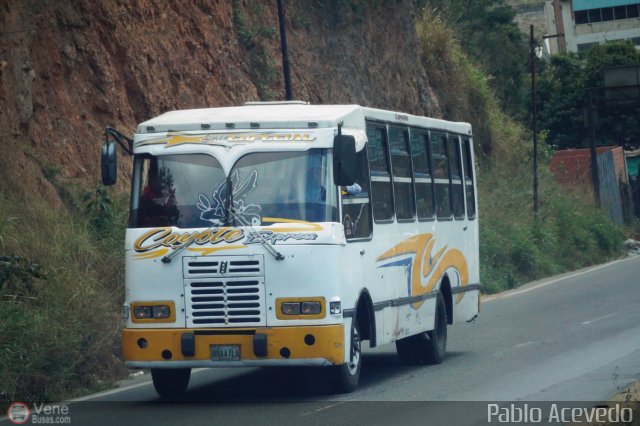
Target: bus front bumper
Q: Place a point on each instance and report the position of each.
(262, 346)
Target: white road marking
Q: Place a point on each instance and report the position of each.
(524, 344)
(326, 407)
(596, 319)
(553, 281)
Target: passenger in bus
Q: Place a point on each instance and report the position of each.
(157, 202)
(353, 189)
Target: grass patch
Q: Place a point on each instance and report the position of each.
(60, 295)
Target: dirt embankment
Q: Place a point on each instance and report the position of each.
(69, 68)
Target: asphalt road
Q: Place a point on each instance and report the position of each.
(574, 337)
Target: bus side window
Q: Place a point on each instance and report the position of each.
(381, 192)
(402, 176)
(356, 209)
(468, 179)
(422, 175)
(457, 192)
(441, 175)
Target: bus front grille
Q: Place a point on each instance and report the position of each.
(224, 291)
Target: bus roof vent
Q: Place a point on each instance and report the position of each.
(252, 103)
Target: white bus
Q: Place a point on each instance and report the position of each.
(284, 233)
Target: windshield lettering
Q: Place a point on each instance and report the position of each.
(164, 237)
(273, 237)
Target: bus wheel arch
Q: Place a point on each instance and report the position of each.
(445, 289)
(365, 316)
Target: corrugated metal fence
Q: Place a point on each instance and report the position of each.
(609, 190)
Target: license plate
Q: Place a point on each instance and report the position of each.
(225, 352)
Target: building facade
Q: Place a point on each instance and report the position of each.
(586, 23)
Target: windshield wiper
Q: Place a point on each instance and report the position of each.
(266, 244)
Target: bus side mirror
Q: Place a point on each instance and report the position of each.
(344, 160)
(109, 162)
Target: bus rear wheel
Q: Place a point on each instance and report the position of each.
(344, 378)
(427, 347)
(170, 382)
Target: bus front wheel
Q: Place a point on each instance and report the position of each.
(427, 347)
(170, 382)
(344, 378)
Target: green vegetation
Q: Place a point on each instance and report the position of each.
(487, 33)
(515, 248)
(60, 294)
(563, 90)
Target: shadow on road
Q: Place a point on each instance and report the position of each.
(296, 383)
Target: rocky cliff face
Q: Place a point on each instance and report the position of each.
(69, 68)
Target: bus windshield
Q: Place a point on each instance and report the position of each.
(191, 190)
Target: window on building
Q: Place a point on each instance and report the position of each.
(582, 17)
(607, 14)
(620, 12)
(595, 15)
(381, 192)
(585, 46)
(402, 176)
(422, 174)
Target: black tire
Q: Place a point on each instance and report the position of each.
(170, 382)
(344, 378)
(436, 346)
(427, 347)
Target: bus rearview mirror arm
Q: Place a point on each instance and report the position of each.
(109, 154)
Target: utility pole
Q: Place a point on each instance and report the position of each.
(534, 124)
(285, 51)
(595, 173)
(534, 112)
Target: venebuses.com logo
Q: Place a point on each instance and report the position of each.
(19, 413)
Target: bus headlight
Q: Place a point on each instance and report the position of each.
(163, 311)
(291, 308)
(300, 308)
(311, 308)
(142, 312)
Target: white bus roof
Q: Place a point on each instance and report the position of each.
(287, 115)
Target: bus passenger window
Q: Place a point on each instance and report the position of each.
(381, 193)
(356, 210)
(468, 179)
(457, 193)
(402, 176)
(441, 175)
(422, 175)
